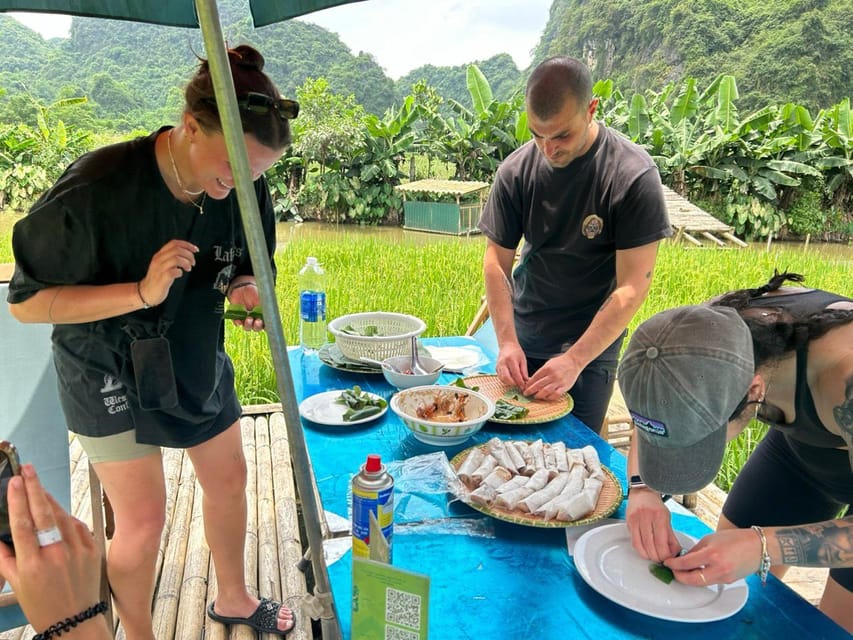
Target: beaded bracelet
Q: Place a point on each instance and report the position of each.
(764, 565)
(70, 623)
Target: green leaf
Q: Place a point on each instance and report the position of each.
(478, 87)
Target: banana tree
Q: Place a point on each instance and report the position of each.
(477, 139)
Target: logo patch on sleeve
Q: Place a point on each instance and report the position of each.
(650, 426)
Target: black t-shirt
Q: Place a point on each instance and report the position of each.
(573, 220)
(101, 223)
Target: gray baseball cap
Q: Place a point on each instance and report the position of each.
(683, 374)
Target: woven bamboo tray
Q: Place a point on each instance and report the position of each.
(539, 411)
(608, 501)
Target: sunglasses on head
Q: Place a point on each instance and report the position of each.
(262, 103)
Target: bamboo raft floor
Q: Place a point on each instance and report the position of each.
(185, 578)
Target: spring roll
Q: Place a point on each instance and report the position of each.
(538, 455)
(562, 462)
(538, 480)
(575, 458)
(485, 468)
(524, 449)
(510, 499)
(576, 507)
(483, 495)
(550, 457)
(514, 455)
(497, 477)
(590, 459)
(574, 486)
(514, 483)
(497, 448)
(548, 492)
(469, 465)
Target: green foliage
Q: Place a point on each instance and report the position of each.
(779, 51)
(452, 82)
(32, 158)
(750, 166)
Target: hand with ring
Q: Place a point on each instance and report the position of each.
(55, 569)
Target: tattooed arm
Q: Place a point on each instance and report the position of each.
(822, 544)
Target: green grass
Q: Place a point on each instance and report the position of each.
(441, 282)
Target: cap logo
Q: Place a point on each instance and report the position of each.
(652, 427)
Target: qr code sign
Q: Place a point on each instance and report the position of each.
(404, 609)
(396, 633)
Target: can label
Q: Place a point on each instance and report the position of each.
(312, 306)
(379, 504)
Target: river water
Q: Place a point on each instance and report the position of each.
(287, 231)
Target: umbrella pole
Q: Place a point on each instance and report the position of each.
(220, 71)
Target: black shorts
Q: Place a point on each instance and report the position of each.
(786, 482)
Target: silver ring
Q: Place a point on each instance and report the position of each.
(49, 536)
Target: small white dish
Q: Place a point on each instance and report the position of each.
(322, 409)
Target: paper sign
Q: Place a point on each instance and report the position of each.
(388, 602)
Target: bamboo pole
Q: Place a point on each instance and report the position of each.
(691, 239)
(223, 85)
(172, 573)
(289, 549)
(193, 590)
(733, 238)
(713, 239)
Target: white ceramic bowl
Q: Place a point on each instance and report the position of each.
(477, 409)
(408, 380)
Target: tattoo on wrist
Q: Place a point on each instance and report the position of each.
(816, 545)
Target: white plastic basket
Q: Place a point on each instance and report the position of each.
(395, 334)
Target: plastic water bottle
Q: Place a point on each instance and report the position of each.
(312, 306)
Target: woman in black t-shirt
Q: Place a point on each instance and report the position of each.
(131, 256)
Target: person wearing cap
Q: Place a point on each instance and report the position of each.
(589, 206)
(692, 378)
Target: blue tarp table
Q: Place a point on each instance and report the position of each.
(491, 579)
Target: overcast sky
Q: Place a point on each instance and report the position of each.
(405, 34)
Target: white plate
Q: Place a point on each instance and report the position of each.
(607, 562)
(457, 359)
(322, 409)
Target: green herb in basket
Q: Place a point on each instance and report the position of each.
(367, 331)
(360, 404)
(507, 411)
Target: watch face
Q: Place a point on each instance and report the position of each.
(636, 481)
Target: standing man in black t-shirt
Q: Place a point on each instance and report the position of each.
(588, 204)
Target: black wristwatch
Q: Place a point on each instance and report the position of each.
(636, 482)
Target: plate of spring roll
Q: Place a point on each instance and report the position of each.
(537, 484)
(513, 407)
(609, 564)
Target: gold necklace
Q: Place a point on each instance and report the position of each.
(192, 195)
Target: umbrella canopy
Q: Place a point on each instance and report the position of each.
(205, 14)
(176, 13)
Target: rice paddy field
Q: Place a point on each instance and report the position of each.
(439, 279)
